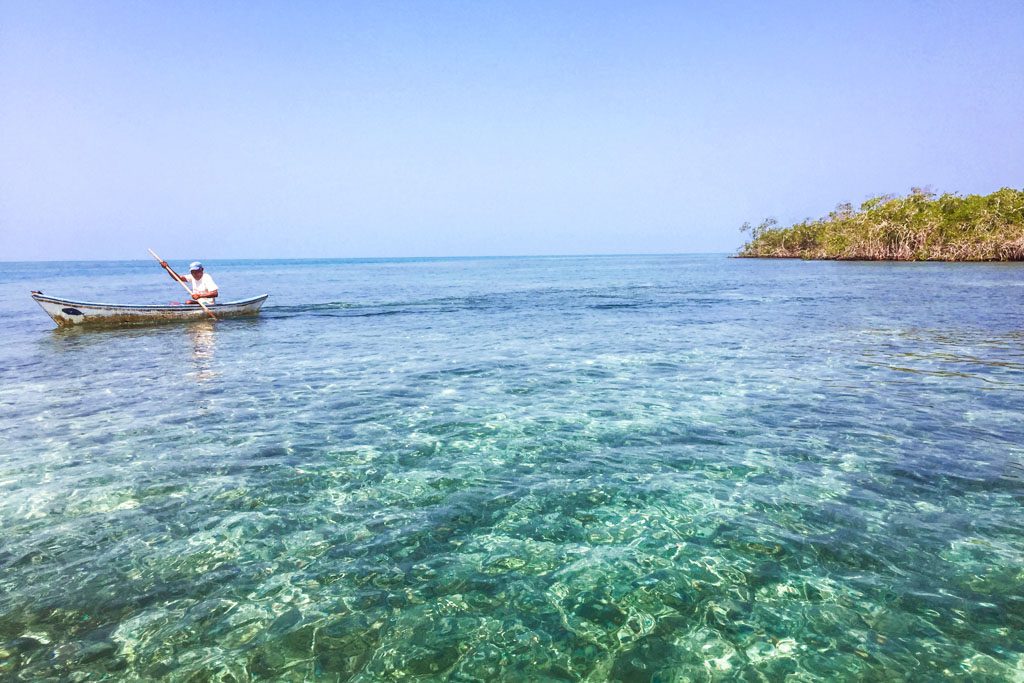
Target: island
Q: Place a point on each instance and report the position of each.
(921, 226)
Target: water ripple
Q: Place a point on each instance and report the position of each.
(636, 468)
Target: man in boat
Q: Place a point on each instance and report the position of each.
(198, 280)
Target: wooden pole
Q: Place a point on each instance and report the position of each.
(198, 301)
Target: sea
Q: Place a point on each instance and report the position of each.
(605, 468)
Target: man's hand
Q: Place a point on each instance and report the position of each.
(196, 296)
(163, 263)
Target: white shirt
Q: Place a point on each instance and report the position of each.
(203, 284)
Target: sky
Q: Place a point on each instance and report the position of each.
(385, 129)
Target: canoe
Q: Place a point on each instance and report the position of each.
(67, 313)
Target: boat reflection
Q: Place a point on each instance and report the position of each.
(203, 335)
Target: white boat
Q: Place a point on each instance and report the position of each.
(67, 313)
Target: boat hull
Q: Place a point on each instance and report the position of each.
(68, 313)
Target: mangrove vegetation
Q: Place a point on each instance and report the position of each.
(921, 226)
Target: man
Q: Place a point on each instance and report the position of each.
(201, 284)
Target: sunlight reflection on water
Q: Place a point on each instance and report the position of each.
(630, 468)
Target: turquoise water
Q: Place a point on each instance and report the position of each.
(661, 468)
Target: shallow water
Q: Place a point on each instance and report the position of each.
(658, 468)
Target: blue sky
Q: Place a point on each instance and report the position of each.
(350, 129)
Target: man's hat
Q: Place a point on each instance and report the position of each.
(196, 265)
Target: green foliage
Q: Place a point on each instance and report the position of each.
(921, 226)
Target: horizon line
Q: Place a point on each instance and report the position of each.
(381, 258)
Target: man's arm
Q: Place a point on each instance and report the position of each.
(170, 272)
(205, 295)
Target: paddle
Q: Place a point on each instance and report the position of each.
(198, 301)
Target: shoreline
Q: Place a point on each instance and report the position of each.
(921, 226)
(859, 259)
